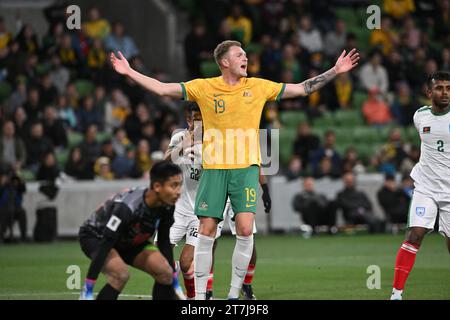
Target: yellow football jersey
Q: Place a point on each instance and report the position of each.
(231, 117)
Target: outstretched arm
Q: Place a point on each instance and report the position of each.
(343, 64)
(121, 66)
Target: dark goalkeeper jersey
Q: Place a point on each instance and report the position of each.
(127, 219)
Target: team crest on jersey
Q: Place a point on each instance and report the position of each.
(426, 129)
(420, 211)
(203, 206)
(247, 93)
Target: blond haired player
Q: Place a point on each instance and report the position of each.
(231, 105)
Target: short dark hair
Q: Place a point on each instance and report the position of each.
(193, 107)
(223, 47)
(438, 75)
(163, 171)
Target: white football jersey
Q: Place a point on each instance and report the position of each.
(433, 169)
(192, 171)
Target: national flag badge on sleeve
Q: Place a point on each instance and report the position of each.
(426, 129)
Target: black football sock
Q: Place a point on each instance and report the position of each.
(108, 293)
(163, 292)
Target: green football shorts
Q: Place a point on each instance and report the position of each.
(216, 185)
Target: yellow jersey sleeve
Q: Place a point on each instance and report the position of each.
(193, 90)
(271, 90)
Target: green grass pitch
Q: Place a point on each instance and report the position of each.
(288, 267)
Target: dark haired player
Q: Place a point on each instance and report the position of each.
(431, 177)
(118, 233)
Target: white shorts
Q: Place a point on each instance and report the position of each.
(184, 225)
(424, 208)
(227, 215)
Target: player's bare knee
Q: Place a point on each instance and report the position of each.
(245, 231)
(164, 276)
(119, 278)
(415, 237)
(185, 263)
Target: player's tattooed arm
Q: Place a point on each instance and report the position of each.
(343, 64)
(318, 82)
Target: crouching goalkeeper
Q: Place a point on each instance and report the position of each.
(118, 233)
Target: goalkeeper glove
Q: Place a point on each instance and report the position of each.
(266, 198)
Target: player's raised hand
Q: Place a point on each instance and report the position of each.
(347, 62)
(120, 65)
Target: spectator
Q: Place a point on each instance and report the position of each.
(116, 110)
(404, 105)
(305, 143)
(19, 214)
(77, 166)
(135, 121)
(102, 169)
(376, 112)
(5, 35)
(89, 147)
(335, 40)
(47, 91)
(142, 162)
(384, 39)
(12, 147)
(398, 9)
(96, 59)
(37, 146)
(289, 62)
(394, 148)
(314, 207)
(119, 41)
(87, 115)
(241, 26)
(410, 161)
(373, 74)
(73, 97)
(411, 35)
(327, 150)
(68, 55)
(197, 48)
(326, 169)
(148, 133)
(48, 169)
(96, 27)
(310, 37)
(394, 201)
(356, 206)
(28, 40)
(6, 207)
(66, 113)
(59, 74)
(341, 93)
(53, 128)
(120, 142)
(21, 124)
(33, 106)
(351, 162)
(295, 168)
(18, 97)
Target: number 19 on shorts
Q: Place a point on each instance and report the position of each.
(250, 195)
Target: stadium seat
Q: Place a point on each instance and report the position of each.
(61, 157)
(291, 119)
(209, 69)
(103, 136)
(358, 99)
(84, 87)
(326, 120)
(363, 134)
(74, 139)
(348, 118)
(27, 175)
(5, 91)
(344, 135)
(287, 138)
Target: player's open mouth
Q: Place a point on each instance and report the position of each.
(244, 67)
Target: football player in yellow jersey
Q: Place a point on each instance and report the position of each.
(231, 107)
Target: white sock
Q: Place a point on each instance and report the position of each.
(202, 265)
(241, 258)
(396, 294)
